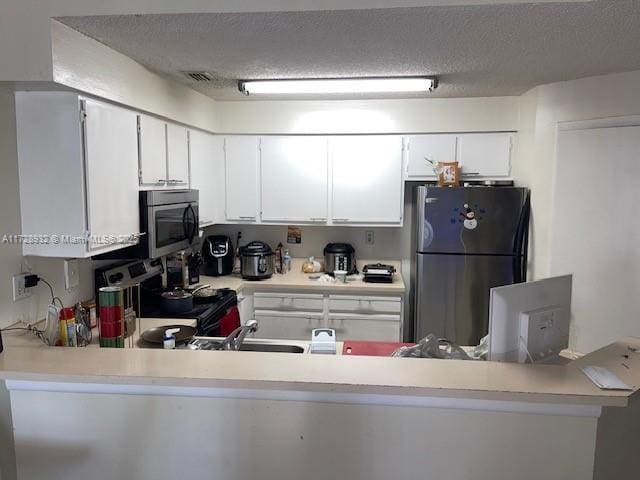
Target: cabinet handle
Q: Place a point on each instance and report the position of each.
(470, 173)
(157, 182)
(317, 219)
(341, 219)
(246, 218)
(175, 181)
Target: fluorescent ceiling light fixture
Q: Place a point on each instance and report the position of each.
(338, 86)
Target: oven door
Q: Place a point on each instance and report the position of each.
(171, 228)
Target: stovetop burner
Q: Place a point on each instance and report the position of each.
(206, 314)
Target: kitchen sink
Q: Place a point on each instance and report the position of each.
(270, 347)
(203, 343)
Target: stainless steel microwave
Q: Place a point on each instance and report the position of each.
(169, 222)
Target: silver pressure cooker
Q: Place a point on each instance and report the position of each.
(256, 261)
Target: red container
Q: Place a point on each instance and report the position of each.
(67, 313)
(111, 321)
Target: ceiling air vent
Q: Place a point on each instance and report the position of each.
(199, 76)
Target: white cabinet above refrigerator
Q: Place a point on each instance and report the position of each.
(481, 156)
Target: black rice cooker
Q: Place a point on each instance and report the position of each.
(339, 257)
(256, 261)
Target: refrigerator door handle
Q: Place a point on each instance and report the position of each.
(521, 242)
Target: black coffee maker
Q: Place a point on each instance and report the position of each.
(218, 255)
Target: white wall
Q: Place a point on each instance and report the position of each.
(369, 116)
(535, 163)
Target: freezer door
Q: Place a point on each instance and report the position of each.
(452, 294)
(486, 220)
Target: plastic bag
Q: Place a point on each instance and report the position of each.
(481, 351)
(433, 347)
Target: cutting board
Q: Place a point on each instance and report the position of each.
(372, 349)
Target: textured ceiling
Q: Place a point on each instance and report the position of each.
(486, 50)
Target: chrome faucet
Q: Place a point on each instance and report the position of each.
(234, 339)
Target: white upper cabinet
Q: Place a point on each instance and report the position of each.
(485, 155)
(437, 148)
(241, 178)
(177, 156)
(207, 174)
(293, 176)
(152, 152)
(78, 163)
(367, 179)
(111, 162)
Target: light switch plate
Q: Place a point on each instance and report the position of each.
(71, 274)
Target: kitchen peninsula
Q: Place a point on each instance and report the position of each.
(375, 418)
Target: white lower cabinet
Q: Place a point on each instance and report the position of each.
(288, 302)
(287, 325)
(292, 316)
(365, 327)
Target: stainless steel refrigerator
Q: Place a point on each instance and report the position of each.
(468, 240)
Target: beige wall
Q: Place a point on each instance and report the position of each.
(534, 162)
(84, 64)
(372, 116)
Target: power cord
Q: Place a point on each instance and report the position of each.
(524, 344)
(33, 279)
(29, 328)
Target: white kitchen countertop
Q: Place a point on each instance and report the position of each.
(555, 384)
(295, 280)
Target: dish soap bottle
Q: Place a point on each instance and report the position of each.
(169, 340)
(286, 261)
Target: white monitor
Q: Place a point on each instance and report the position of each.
(529, 322)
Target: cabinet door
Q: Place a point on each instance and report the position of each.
(367, 179)
(437, 148)
(206, 154)
(485, 154)
(177, 156)
(245, 307)
(241, 178)
(111, 163)
(384, 328)
(287, 326)
(293, 179)
(152, 151)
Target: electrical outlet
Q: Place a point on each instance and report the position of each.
(19, 290)
(71, 279)
(369, 237)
